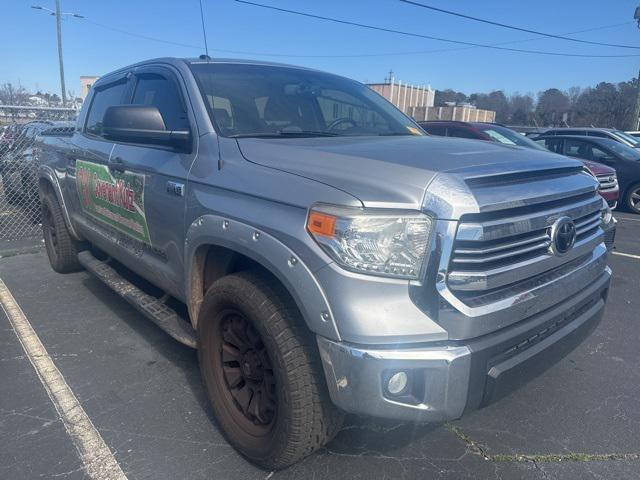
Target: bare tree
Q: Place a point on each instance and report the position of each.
(11, 94)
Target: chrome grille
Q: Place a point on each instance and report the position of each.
(492, 251)
(607, 182)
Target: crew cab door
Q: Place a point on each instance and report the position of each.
(160, 175)
(89, 153)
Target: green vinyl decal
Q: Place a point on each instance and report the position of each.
(116, 198)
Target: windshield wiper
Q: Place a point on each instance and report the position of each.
(285, 134)
(308, 133)
(397, 134)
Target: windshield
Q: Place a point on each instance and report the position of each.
(621, 149)
(273, 101)
(632, 140)
(509, 137)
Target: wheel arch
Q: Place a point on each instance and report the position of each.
(48, 182)
(217, 246)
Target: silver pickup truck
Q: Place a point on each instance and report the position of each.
(322, 253)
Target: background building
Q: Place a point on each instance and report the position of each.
(404, 96)
(461, 112)
(418, 102)
(86, 82)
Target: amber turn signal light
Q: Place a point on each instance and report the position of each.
(321, 224)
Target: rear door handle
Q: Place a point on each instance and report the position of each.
(117, 164)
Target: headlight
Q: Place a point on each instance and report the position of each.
(372, 241)
(605, 213)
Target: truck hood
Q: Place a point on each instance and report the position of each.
(394, 171)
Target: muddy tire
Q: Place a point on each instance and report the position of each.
(62, 249)
(262, 372)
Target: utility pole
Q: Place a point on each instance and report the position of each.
(59, 28)
(58, 14)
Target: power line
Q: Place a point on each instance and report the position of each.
(145, 37)
(428, 37)
(354, 55)
(512, 27)
(409, 52)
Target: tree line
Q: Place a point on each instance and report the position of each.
(11, 94)
(605, 105)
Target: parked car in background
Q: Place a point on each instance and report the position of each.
(18, 172)
(492, 132)
(8, 135)
(633, 133)
(610, 133)
(625, 161)
(608, 179)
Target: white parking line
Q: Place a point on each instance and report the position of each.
(627, 218)
(637, 257)
(99, 462)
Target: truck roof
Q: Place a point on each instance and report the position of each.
(178, 61)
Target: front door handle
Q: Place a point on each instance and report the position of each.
(175, 188)
(117, 164)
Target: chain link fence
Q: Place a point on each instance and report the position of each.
(20, 128)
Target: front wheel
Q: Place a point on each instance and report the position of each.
(262, 372)
(632, 198)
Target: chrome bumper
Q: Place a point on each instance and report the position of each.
(355, 378)
(450, 378)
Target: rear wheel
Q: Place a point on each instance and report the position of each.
(632, 198)
(262, 372)
(62, 248)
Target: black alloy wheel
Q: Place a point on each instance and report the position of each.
(247, 373)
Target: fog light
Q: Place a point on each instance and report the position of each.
(397, 383)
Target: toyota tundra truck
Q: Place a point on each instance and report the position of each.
(322, 253)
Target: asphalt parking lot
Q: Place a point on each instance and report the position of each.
(142, 392)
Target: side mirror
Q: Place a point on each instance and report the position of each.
(141, 124)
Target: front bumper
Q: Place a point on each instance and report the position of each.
(448, 378)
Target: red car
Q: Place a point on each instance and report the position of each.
(609, 189)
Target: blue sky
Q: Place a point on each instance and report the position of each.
(28, 44)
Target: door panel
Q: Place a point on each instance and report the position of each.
(162, 177)
(161, 173)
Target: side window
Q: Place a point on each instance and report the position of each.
(103, 98)
(461, 133)
(599, 155)
(574, 132)
(577, 148)
(158, 91)
(553, 144)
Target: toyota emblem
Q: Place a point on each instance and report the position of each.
(563, 235)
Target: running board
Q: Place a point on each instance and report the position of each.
(163, 316)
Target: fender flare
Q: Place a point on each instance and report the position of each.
(50, 176)
(266, 250)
